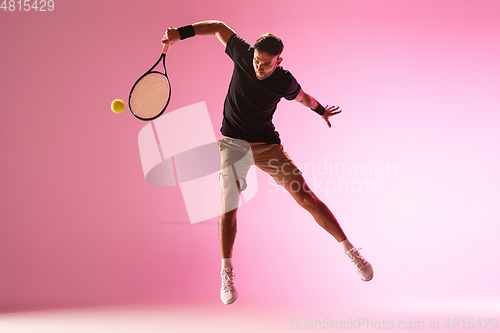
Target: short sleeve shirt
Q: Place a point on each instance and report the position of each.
(250, 103)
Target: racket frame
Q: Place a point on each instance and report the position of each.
(151, 71)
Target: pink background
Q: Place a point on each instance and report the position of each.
(419, 85)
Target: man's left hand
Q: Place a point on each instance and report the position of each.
(330, 111)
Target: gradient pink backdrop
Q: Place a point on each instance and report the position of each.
(419, 85)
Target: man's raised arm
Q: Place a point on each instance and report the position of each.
(217, 28)
(311, 102)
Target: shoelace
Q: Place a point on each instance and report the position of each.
(227, 279)
(356, 258)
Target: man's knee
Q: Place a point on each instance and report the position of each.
(307, 199)
(230, 194)
(302, 193)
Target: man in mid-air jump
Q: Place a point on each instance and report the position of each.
(257, 85)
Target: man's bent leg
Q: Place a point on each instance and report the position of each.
(236, 159)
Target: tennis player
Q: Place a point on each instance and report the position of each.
(257, 85)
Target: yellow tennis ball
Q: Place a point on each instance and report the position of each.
(117, 106)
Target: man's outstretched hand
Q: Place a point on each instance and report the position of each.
(330, 111)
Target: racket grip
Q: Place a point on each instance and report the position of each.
(165, 48)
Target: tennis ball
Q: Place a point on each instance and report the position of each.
(117, 106)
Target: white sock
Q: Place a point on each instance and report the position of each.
(226, 263)
(346, 245)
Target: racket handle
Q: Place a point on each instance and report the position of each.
(165, 48)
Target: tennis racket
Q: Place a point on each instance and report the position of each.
(150, 94)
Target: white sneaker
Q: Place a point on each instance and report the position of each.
(364, 268)
(228, 293)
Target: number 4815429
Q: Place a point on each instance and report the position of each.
(28, 5)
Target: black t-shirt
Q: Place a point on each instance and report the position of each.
(250, 103)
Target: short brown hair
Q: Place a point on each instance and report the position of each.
(270, 44)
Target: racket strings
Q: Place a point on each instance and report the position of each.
(150, 95)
